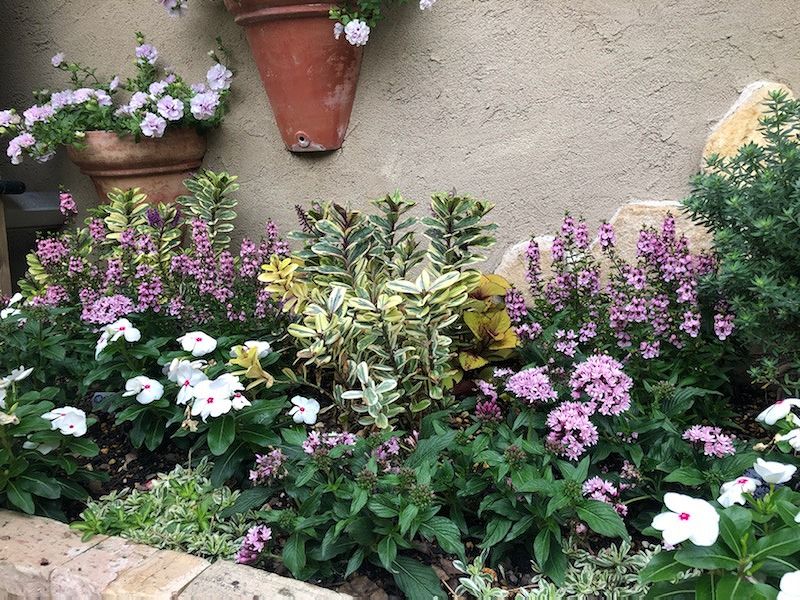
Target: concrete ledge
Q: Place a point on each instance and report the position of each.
(41, 558)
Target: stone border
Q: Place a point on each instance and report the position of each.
(41, 558)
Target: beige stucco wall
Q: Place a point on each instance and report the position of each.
(539, 106)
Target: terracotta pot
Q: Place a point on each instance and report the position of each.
(158, 166)
(310, 77)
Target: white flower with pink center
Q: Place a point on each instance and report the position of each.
(68, 420)
(780, 410)
(732, 492)
(198, 343)
(212, 398)
(790, 586)
(186, 376)
(145, 389)
(688, 519)
(304, 410)
(774, 472)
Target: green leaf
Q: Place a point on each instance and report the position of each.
(446, 533)
(687, 476)
(731, 587)
(387, 552)
(407, 516)
(662, 567)
(781, 543)
(82, 446)
(382, 507)
(20, 498)
(496, 530)
(354, 563)
(294, 553)
(734, 523)
(360, 497)
(247, 500)
(221, 434)
(712, 557)
(541, 546)
(39, 485)
(602, 518)
(415, 580)
(683, 590)
(225, 467)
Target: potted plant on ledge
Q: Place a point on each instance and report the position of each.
(308, 66)
(153, 140)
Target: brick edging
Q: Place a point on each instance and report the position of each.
(41, 558)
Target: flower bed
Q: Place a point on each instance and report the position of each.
(372, 412)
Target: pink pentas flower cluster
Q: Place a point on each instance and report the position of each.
(571, 429)
(268, 467)
(317, 443)
(603, 381)
(599, 489)
(532, 385)
(253, 544)
(715, 443)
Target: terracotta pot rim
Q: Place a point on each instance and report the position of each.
(268, 11)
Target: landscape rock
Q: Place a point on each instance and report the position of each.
(740, 124)
(162, 576)
(30, 549)
(230, 581)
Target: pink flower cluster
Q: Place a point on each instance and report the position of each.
(317, 443)
(597, 488)
(571, 430)
(253, 544)
(601, 378)
(715, 443)
(532, 385)
(268, 466)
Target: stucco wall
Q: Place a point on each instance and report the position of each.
(539, 106)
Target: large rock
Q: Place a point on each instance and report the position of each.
(740, 125)
(627, 222)
(162, 576)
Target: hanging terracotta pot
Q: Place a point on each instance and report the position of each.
(310, 77)
(156, 165)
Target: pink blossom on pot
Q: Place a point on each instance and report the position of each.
(170, 108)
(204, 105)
(219, 77)
(147, 53)
(152, 125)
(357, 32)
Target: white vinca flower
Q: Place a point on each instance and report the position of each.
(198, 343)
(145, 389)
(304, 410)
(232, 381)
(68, 420)
(10, 310)
(793, 437)
(212, 398)
(238, 401)
(780, 410)
(774, 472)
(17, 374)
(186, 375)
(733, 492)
(122, 328)
(689, 519)
(790, 586)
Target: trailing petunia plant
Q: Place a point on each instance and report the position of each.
(381, 340)
(155, 99)
(356, 18)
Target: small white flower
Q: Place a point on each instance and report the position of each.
(17, 374)
(304, 410)
(68, 420)
(3, 397)
(793, 437)
(233, 382)
(338, 30)
(114, 83)
(774, 472)
(790, 586)
(186, 374)
(10, 310)
(775, 412)
(264, 348)
(426, 4)
(57, 60)
(145, 389)
(689, 519)
(122, 328)
(238, 401)
(212, 398)
(733, 492)
(198, 343)
(357, 32)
